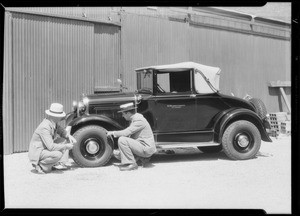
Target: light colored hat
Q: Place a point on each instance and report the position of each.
(56, 110)
(127, 107)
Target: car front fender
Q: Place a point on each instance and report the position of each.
(93, 119)
(236, 115)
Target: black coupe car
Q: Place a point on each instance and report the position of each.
(184, 107)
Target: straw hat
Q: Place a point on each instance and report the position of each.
(127, 107)
(56, 110)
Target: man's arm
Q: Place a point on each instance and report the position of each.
(65, 133)
(48, 140)
(134, 127)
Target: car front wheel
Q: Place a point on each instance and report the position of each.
(241, 140)
(93, 148)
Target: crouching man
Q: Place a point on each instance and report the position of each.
(43, 152)
(136, 141)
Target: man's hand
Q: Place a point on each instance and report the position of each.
(69, 146)
(72, 139)
(110, 133)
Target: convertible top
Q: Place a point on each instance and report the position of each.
(183, 66)
(206, 77)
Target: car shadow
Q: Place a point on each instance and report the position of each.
(175, 157)
(179, 157)
(263, 154)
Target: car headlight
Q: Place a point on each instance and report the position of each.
(74, 106)
(81, 106)
(85, 101)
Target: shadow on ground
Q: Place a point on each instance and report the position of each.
(179, 155)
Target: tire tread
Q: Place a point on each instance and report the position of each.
(80, 131)
(228, 131)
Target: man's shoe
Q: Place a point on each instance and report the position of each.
(117, 154)
(59, 166)
(129, 167)
(119, 164)
(144, 161)
(39, 169)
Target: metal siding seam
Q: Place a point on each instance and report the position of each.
(7, 87)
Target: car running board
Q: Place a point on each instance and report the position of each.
(171, 145)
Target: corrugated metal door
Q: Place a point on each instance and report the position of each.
(107, 57)
(52, 62)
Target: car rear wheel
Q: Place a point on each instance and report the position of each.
(211, 149)
(241, 140)
(93, 148)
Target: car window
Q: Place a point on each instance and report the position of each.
(145, 81)
(173, 82)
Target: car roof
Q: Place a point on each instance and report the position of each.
(183, 66)
(206, 77)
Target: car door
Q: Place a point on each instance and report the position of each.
(174, 106)
(174, 117)
(175, 113)
(208, 107)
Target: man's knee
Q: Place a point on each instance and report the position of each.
(57, 154)
(122, 140)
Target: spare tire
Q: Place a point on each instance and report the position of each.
(259, 106)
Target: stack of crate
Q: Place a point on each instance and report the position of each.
(286, 127)
(276, 119)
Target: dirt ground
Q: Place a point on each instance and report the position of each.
(188, 179)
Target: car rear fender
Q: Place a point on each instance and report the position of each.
(93, 119)
(239, 114)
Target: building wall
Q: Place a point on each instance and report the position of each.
(56, 54)
(247, 62)
(51, 59)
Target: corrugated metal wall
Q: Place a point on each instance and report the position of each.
(49, 59)
(150, 41)
(248, 62)
(100, 13)
(7, 98)
(52, 62)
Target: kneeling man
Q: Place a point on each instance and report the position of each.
(136, 140)
(43, 152)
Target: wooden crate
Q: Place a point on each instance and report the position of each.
(286, 127)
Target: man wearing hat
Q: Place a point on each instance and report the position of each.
(136, 141)
(43, 152)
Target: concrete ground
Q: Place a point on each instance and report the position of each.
(188, 179)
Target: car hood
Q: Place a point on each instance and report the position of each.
(111, 98)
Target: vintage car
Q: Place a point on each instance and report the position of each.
(185, 109)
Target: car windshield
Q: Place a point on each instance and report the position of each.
(145, 81)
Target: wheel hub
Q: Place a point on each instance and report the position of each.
(92, 146)
(243, 140)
